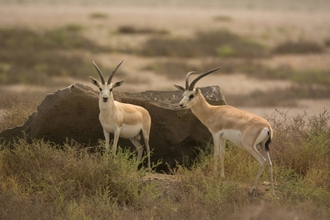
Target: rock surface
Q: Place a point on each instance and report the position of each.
(72, 113)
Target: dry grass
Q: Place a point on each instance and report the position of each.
(16, 108)
(42, 180)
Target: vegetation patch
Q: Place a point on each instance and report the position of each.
(301, 47)
(222, 18)
(174, 68)
(279, 97)
(71, 182)
(15, 108)
(203, 44)
(98, 15)
(31, 57)
(128, 29)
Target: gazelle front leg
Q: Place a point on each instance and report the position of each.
(222, 156)
(138, 147)
(216, 143)
(107, 139)
(115, 139)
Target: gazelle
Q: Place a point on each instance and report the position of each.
(121, 119)
(225, 122)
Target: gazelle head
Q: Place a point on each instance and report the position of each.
(106, 87)
(191, 94)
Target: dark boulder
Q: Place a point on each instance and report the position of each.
(72, 113)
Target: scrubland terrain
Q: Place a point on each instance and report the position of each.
(275, 59)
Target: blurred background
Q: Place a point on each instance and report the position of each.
(275, 55)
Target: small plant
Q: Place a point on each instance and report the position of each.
(127, 29)
(98, 15)
(226, 51)
(73, 27)
(222, 18)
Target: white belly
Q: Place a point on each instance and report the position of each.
(233, 136)
(126, 131)
(130, 131)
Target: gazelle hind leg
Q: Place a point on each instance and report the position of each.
(261, 160)
(270, 168)
(138, 146)
(146, 142)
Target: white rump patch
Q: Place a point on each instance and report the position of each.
(263, 136)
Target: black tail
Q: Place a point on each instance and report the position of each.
(268, 142)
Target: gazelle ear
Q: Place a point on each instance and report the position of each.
(94, 81)
(179, 87)
(117, 84)
(197, 90)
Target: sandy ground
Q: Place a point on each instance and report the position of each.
(267, 26)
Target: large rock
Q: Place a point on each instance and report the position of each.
(72, 113)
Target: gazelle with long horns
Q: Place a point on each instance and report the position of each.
(121, 119)
(225, 122)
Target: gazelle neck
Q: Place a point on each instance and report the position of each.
(201, 109)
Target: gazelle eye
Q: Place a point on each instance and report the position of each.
(191, 96)
(111, 90)
(100, 89)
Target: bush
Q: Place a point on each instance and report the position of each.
(127, 29)
(61, 176)
(301, 47)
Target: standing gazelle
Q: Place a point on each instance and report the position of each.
(225, 122)
(121, 119)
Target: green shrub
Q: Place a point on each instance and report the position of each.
(226, 51)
